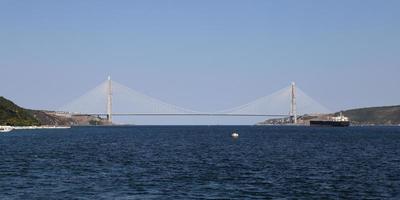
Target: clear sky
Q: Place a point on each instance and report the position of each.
(202, 55)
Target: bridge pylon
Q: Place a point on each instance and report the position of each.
(109, 100)
(293, 112)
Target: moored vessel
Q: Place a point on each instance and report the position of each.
(4, 129)
(340, 121)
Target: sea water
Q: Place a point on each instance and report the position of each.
(201, 162)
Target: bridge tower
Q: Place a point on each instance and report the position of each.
(109, 101)
(293, 111)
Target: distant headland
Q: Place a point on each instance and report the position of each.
(383, 115)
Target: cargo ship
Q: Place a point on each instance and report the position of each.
(340, 121)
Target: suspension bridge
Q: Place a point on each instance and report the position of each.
(111, 98)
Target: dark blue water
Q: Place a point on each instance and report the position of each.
(201, 163)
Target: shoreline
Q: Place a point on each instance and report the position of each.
(36, 127)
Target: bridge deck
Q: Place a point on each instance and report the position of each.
(185, 114)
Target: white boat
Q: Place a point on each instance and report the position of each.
(235, 135)
(4, 129)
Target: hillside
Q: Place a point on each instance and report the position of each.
(386, 115)
(13, 115)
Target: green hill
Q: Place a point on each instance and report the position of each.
(13, 115)
(386, 115)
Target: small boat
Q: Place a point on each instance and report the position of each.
(235, 135)
(4, 129)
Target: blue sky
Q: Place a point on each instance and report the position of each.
(203, 55)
